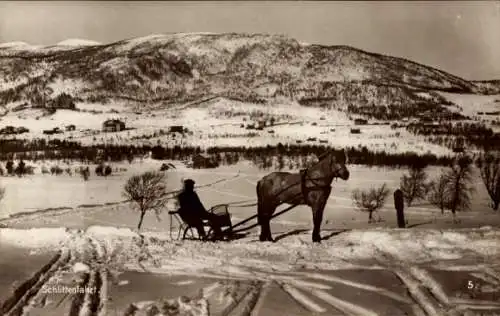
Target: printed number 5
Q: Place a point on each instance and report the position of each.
(470, 285)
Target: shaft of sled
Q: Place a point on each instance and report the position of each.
(254, 216)
(244, 221)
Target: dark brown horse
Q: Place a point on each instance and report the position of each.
(310, 187)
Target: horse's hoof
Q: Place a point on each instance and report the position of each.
(316, 239)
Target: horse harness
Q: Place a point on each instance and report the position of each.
(318, 187)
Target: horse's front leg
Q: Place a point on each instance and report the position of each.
(264, 219)
(318, 207)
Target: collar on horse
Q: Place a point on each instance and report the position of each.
(305, 190)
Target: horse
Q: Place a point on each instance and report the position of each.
(311, 187)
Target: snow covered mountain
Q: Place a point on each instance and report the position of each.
(178, 68)
(78, 42)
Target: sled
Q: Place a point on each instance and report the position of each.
(186, 231)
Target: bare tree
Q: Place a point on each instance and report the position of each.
(437, 194)
(85, 173)
(370, 200)
(414, 185)
(489, 167)
(148, 191)
(459, 185)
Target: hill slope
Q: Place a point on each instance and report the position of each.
(177, 68)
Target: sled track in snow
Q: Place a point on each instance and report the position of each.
(246, 291)
(430, 299)
(22, 296)
(92, 303)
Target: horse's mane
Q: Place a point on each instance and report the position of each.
(332, 152)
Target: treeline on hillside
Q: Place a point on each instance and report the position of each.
(400, 111)
(473, 134)
(70, 150)
(356, 155)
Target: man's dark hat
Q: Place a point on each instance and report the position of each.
(189, 182)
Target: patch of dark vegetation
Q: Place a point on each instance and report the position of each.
(68, 151)
(296, 156)
(11, 130)
(42, 211)
(465, 134)
(89, 205)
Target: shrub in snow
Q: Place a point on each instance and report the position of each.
(489, 166)
(20, 169)
(85, 173)
(56, 170)
(413, 185)
(148, 192)
(2, 171)
(107, 171)
(10, 167)
(30, 170)
(370, 200)
(99, 170)
(437, 193)
(459, 181)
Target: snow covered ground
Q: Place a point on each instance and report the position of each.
(137, 270)
(358, 269)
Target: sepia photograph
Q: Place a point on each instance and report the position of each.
(249, 158)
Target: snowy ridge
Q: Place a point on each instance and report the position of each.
(78, 42)
(13, 44)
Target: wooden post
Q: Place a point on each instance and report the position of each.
(399, 205)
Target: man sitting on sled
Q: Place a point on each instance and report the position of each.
(193, 212)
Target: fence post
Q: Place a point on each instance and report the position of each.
(399, 205)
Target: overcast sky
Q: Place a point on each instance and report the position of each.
(459, 37)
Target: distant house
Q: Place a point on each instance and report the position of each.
(113, 126)
(360, 121)
(70, 128)
(55, 130)
(176, 129)
(201, 161)
(355, 131)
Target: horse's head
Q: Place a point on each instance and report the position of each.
(338, 165)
